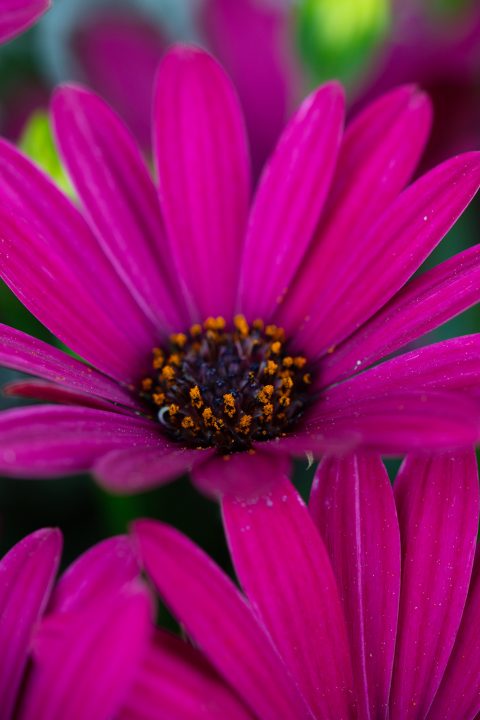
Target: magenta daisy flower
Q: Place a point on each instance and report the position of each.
(16, 16)
(210, 331)
(69, 650)
(365, 607)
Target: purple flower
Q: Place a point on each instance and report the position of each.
(378, 619)
(73, 650)
(16, 16)
(212, 332)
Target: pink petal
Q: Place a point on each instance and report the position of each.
(22, 352)
(27, 573)
(203, 168)
(422, 305)
(137, 469)
(54, 264)
(219, 621)
(85, 661)
(241, 474)
(120, 200)
(378, 265)
(438, 509)
(175, 682)
(51, 290)
(378, 155)
(459, 692)
(16, 16)
(289, 200)
(103, 570)
(353, 507)
(395, 424)
(285, 572)
(50, 441)
(449, 365)
(250, 39)
(51, 393)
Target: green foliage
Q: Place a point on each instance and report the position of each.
(337, 37)
(37, 142)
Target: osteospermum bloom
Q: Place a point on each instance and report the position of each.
(16, 16)
(217, 335)
(70, 649)
(364, 607)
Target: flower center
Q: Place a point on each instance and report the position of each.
(227, 388)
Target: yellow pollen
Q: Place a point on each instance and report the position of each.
(196, 330)
(196, 397)
(300, 361)
(212, 323)
(241, 325)
(284, 400)
(156, 352)
(265, 393)
(178, 339)
(276, 347)
(268, 411)
(271, 368)
(188, 423)
(229, 404)
(287, 383)
(175, 359)
(258, 324)
(244, 424)
(274, 332)
(158, 398)
(307, 378)
(287, 361)
(168, 373)
(173, 409)
(147, 384)
(157, 362)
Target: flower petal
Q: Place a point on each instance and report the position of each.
(378, 155)
(54, 264)
(137, 469)
(289, 200)
(449, 365)
(353, 507)
(203, 169)
(27, 573)
(379, 264)
(438, 509)
(219, 621)
(16, 16)
(120, 200)
(85, 661)
(245, 35)
(105, 569)
(422, 305)
(395, 424)
(285, 572)
(241, 474)
(22, 352)
(52, 292)
(176, 682)
(459, 692)
(51, 440)
(52, 393)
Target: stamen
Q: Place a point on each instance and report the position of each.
(228, 388)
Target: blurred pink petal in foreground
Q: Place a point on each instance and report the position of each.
(365, 607)
(16, 16)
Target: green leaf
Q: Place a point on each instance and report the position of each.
(338, 37)
(37, 142)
